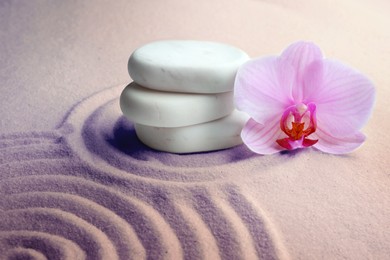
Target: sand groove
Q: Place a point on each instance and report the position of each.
(20, 142)
(33, 152)
(231, 228)
(103, 138)
(33, 135)
(30, 243)
(265, 238)
(204, 239)
(24, 253)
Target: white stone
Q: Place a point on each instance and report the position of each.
(186, 66)
(169, 109)
(219, 134)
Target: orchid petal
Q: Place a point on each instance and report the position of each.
(344, 97)
(335, 145)
(300, 55)
(262, 138)
(312, 81)
(262, 88)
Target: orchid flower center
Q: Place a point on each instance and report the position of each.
(298, 122)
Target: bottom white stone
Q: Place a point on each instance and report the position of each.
(215, 135)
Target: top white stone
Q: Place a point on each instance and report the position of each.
(186, 66)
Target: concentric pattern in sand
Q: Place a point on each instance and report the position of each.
(91, 190)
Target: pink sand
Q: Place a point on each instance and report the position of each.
(76, 183)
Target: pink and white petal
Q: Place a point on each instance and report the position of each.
(312, 81)
(300, 55)
(344, 99)
(262, 88)
(337, 145)
(260, 138)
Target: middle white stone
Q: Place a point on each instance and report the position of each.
(170, 109)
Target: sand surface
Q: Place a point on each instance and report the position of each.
(75, 183)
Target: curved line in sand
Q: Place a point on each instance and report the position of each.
(267, 238)
(102, 104)
(231, 236)
(240, 227)
(24, 253)
(42, 135)
(15, 243)
(42, 166)
(246, 248)
(25, 142)
(33, 152)
(204, 238)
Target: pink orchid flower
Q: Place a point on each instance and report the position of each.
(300, 99)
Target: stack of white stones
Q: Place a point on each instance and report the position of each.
(181, 100)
